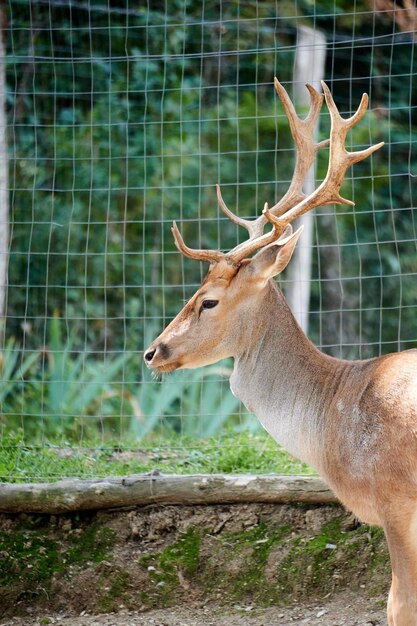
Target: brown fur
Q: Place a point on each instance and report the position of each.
(355, 422)
(359, 422)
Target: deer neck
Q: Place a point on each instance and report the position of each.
(284, 379)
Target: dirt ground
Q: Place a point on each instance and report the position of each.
(229, 565)
(345, 609)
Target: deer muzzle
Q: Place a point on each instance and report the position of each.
(157, 357)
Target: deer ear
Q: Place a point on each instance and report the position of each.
(273, 259)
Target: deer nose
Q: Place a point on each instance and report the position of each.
(148, 356)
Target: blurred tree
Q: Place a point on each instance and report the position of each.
(124, 119)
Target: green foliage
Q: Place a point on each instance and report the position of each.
(137, 136)
(198, 405)
(74, 387)
(100, 216)
(120, 128)
(63, 394)
(14, 365)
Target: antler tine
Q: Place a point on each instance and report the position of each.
(277, 234)
(250, 246)
(210, 256)
(302, 131)
(315, 107)
(295, 122)
(334, 113)
(287, 234)
(255, 228)
(339, 158)
(339, 161)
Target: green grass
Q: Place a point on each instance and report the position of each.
(232, 453)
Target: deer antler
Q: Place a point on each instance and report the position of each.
(302, 131)
(339, 161)
(294, 203)
(245, 249)
(211, 256)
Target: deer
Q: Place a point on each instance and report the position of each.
(354, 422)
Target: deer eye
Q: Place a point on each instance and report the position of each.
(209, 304)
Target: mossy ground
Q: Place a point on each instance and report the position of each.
(159, 557)
(170, 568)
(279, 565)
(34, 552)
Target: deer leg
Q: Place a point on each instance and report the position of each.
(402, 600)
(402, 606)
(390, 615)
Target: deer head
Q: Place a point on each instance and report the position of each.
(211, 324)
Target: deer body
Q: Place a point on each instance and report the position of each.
(355, 422)
(341, 417)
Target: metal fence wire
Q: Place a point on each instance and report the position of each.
(121, 117)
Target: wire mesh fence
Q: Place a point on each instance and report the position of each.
(122, 118)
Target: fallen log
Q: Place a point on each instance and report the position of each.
(141, 490)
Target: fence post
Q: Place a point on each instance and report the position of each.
(4, 179)
(309, 67)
